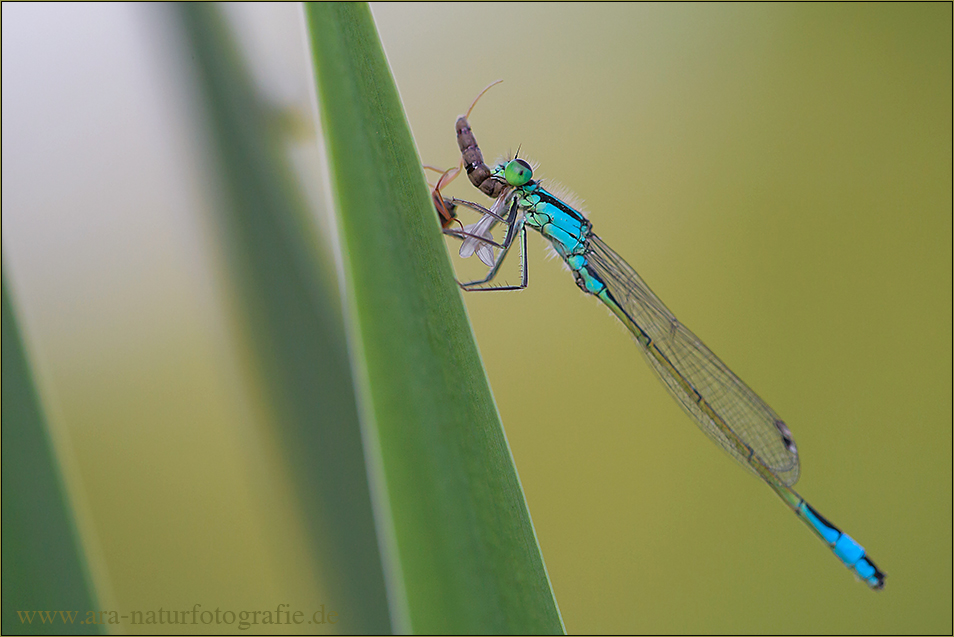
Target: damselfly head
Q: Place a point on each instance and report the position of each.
(518, 172)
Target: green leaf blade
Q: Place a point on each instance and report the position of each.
(464, 556)
(44, 564)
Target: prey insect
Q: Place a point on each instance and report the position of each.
(475, 238)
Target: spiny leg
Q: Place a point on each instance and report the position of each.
(525, 276)
(461, 234)
(476, 206)
(515, 226)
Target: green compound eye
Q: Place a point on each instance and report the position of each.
(518, 172)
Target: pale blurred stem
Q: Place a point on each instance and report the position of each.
(294, 327)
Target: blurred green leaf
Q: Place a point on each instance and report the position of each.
(294, 327)
(44, 568)
(461, 552)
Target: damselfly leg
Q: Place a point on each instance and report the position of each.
(515, 226)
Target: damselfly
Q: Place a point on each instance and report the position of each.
(724, 407)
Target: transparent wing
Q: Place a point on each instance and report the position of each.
(723, 406)
(485, 252)
(482, 228)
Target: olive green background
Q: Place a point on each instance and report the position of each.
(779, 174)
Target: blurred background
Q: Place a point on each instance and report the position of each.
(780, 175)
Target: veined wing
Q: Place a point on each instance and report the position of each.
(724, 407)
